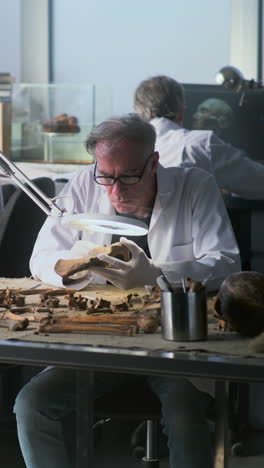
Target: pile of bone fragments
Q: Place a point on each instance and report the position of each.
(67, 311)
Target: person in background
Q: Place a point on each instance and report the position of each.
(160, 100)
(189, 235)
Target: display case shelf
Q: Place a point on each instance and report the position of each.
(35, 104)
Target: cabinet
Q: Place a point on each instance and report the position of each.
(35, 104)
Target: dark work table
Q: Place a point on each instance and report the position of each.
(89, 359)
(143, 354)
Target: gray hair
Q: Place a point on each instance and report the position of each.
(130, 126)
(159, 96)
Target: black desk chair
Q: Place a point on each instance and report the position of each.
(148, 442)
(239, 211)
(135, 405)
(21, 221)
(7, 191)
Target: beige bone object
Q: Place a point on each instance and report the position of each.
(66, 268)
(148, 322)
(15, 325)
(62, 327)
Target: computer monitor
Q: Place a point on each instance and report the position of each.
(237, 121)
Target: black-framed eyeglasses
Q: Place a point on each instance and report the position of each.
(123, 179)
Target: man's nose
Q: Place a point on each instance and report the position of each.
(118, 187)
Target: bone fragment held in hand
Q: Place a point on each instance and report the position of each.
(66, 268)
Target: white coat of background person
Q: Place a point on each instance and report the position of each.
(189, 232)
(160, 100)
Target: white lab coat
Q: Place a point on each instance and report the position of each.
(231, 168)
(189, 233)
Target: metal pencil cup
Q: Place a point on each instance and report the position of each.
(184, 316)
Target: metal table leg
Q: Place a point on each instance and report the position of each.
(221, 425)
(84, 418)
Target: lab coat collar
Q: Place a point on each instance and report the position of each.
(165, 183)
(164, 189)
(163, 125)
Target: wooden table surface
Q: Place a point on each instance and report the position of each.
(219, 342)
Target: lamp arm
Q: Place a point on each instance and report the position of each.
(84, 221)
(12, 171)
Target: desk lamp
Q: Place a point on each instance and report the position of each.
(82, 221)
(232, 78)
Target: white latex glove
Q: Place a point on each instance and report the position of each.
(138, 271)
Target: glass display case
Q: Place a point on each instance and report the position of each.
(50, 122)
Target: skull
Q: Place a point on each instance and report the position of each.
(213, 114)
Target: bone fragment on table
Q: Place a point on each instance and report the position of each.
(20, 325)
(124, 305)
(13, 325)
(22, 310)
(44, 312)
(48, 291)
(32, 317)
(123, 319)
(19, 300)
(66, 268)
(151, 306)
(128, 330)
(17, 317)
(59, 292)
(100, 303)
(149, 299)
(52, 301)
(147, 322)
(77, 302)
(32, 292)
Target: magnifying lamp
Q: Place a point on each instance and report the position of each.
(81, 221)
(232, 78)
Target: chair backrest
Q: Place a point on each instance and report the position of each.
(243, 215)
(7, 191)
(239, 212)
(20, 223)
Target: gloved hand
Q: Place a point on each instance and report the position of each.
(138, 271)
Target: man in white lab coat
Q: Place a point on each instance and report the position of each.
(160, 100)
(189, 235)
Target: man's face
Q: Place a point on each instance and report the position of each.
(127, 158)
